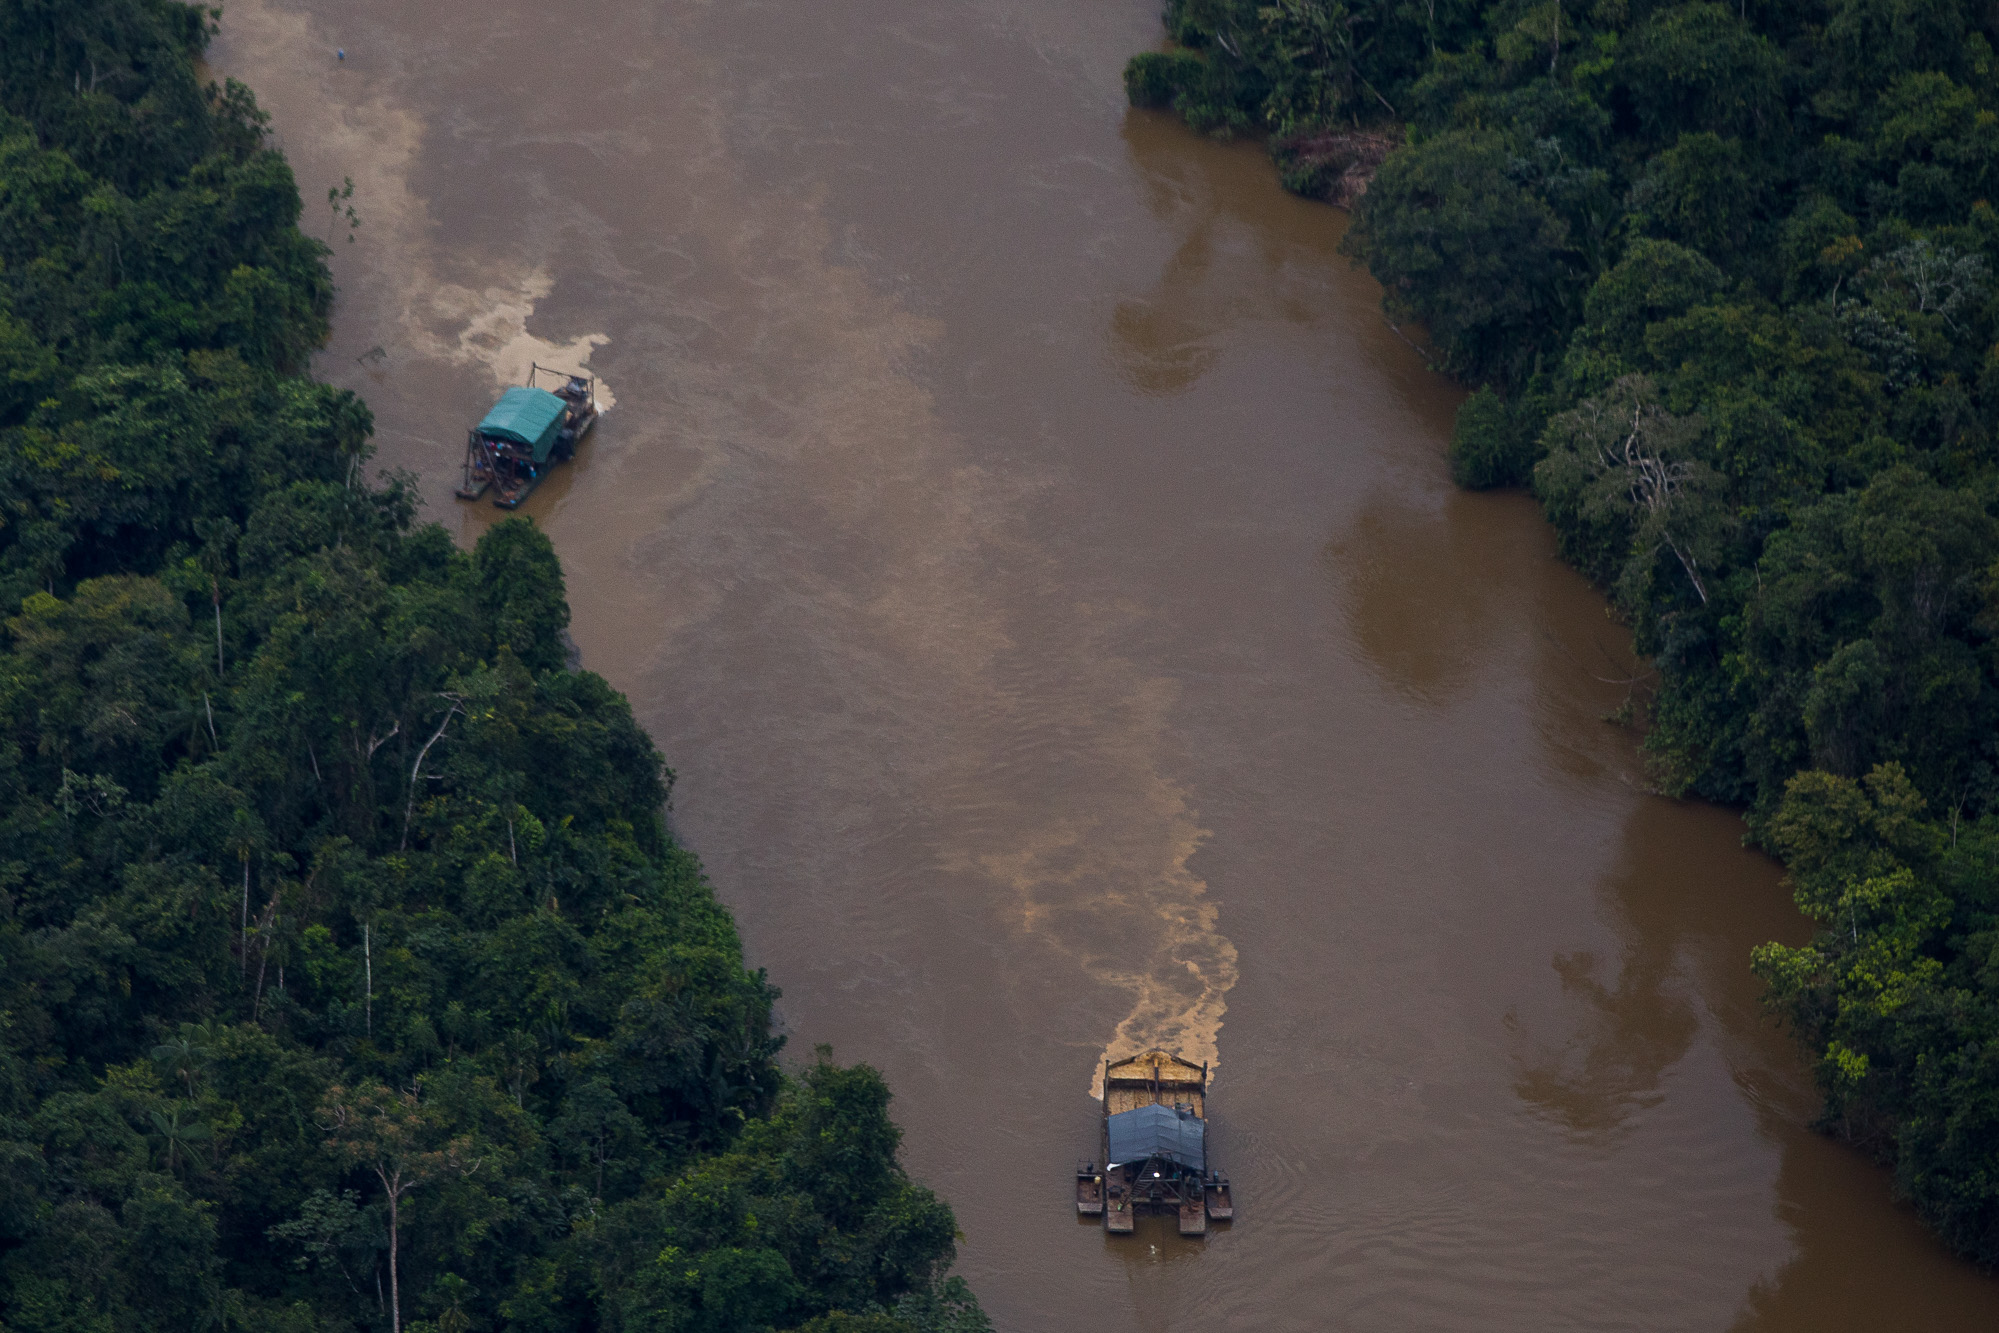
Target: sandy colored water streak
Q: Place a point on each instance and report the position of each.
(1033, 551)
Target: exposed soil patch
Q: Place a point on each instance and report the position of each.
(1336, 165)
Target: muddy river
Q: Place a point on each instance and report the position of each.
(1030, 546)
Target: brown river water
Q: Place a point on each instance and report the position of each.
(1034, 552)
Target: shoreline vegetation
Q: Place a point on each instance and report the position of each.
(1722, 278)
(349, 975)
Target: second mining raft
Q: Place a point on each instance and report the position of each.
(1154, 1148)
(526, 433)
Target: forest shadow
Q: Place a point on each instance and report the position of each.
(1629, 1033)
(1845, 1224)
(1425, 589)
(1687, 903)
(1632, 1018)
(1235, 229)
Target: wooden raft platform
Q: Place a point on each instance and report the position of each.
(1118, 1214)
(1089, 1190)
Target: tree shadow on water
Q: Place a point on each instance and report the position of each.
(1236, 230)
(1628, 1034)
(1687, 903)
(1862, 1261)
(1426, 590)
(1629, 1022)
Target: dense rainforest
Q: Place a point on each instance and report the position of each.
(1725, 279)
(349, 976)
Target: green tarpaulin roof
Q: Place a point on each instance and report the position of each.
(529, 417)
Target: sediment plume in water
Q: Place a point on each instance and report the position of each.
(1180, 993)
(373, 143)
(1112, 889)
(492, 332)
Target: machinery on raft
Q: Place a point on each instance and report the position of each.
(526, 434)
(1155, 1150)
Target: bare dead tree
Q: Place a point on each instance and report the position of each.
(377, 742)
(1653, 482)
(457, 702)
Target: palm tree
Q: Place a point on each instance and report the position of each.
(179, 1132)
(183, 1057)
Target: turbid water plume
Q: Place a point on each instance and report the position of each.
(365, 141)
(1111, 889)
(492, 331)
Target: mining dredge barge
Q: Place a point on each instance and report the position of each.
(1154, 1148)
(527, 432)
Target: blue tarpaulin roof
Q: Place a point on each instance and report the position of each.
(528, 417)
(1158, 1131)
